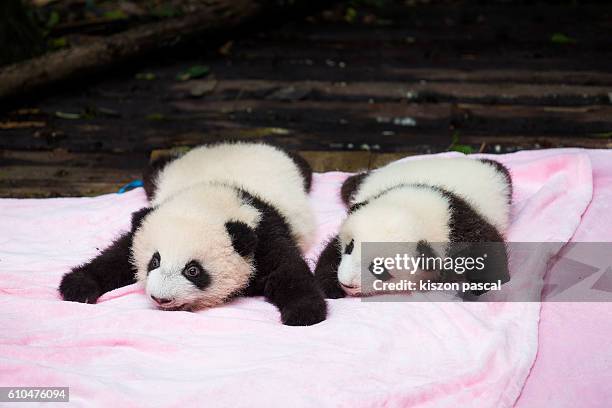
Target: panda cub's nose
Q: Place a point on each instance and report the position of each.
(161, 301)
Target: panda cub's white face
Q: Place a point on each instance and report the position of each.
(395, 217)
(184, 254)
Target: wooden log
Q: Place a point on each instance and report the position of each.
(213, 15)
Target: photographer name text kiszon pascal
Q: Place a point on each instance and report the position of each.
(426, 286)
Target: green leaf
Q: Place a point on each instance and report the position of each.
(68, 115)
(145, 76)
(155, 116)
(560, 38)
(351, 15)
(465, 149)
(53, 20)
(60, 42)
(197, 71)
(115, 15)
(456, 147)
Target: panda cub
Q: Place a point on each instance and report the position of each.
(444, 201)
(224, 220)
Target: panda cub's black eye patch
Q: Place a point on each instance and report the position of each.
(349, 248)
(154, 262)
(196, 274)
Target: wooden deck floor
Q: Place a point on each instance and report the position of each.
(497, 78)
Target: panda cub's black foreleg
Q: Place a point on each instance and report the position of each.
(110, 270)
(290, 286)
(326, 271)
(292, 289)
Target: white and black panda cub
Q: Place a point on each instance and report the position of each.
(440, 200)
(225, 220)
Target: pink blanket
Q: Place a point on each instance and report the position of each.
(122, 351)
(574, 361)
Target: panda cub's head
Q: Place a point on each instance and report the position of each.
(411, 216)
(196, 250)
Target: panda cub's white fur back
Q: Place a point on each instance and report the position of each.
(260, 169)
(477, 182)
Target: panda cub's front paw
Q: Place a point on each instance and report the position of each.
(77, 286)
(304, 312)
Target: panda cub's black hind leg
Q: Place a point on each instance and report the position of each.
(111, 269)
(326, 271)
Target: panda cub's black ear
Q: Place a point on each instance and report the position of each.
(244, 238)
(138, 217)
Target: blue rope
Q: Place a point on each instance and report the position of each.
(130, 186)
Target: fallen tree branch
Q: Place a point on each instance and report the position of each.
(215, 15)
